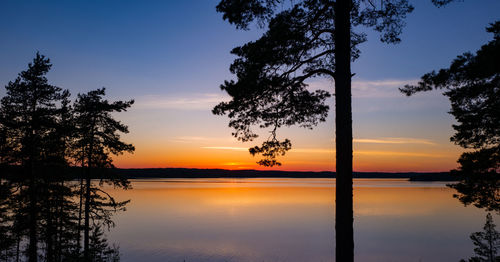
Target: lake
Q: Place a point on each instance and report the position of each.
(290, 220)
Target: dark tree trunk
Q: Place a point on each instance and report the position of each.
(86, 240)
(344, 250)
(33, 200)
(33, 241)
(80, 211)
(87, 218)
(49, 227)
(18, 246)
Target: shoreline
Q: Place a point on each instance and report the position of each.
(186, 173)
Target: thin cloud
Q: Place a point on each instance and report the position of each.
(312, 150)
(192, 138)
(394, 153)
(379, 88)
(394, 140)
(180, 102)
(206, 101)
(226, 148)
(332, 151)
(295, 150)
(201, 139)
(367, 88)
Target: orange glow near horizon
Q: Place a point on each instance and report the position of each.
(388, 137)
(367, 158)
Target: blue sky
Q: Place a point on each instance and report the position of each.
(171, 56)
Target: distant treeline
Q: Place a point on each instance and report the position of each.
(139, 173)
(223, 173)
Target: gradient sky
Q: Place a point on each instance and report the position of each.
(171, 57)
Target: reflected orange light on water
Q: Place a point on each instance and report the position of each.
(290, 220)
(255, 193)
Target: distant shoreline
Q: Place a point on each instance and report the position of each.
(146, 173)
(14, 172)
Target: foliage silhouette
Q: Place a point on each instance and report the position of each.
(487, 243)
(42, 135)
(472, 84)
(97, 137)
(7, 240)
(56, 224)
(29, 118)
(304, 39)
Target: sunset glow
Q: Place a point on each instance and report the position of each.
(173, 72)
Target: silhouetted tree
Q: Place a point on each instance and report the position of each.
(100, 251)
(97, 137)
(58, 221)
(7, 240)
(59, 147)
(472, 84)
(305, 39)
(56, 225)
(4, 147)
(41, 135)
(33, 135)
(30, 114)
(487, 243)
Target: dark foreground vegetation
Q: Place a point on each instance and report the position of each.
(472, 84)
(44, 136)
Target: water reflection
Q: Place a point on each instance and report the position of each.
(42, 220)
(230, 220)
(486, 243)
(479, 190)
(290, 220)
(482, 191)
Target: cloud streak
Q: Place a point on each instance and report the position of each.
(226, 148)
(200, 139)
(193, 101)
(332, 151)
(206, 101)
(394, 140)
(379, 88)
(396, 153)
(385, 88)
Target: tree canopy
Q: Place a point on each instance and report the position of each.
(472, 84)
(271, 90)
(98, 133)
(44, 134)
(487, 243)
(30, 115)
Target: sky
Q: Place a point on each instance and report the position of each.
(172, 56)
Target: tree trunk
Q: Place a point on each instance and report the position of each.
(86, 242)
(344, 250)
(33, 240)
(18, 246)
(87, 218)
(80, 210)
(50, 232)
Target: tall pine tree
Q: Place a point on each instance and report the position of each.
(472, 84)
(304, 39)
(97, 137)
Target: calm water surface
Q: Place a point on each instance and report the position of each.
(290, 220)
